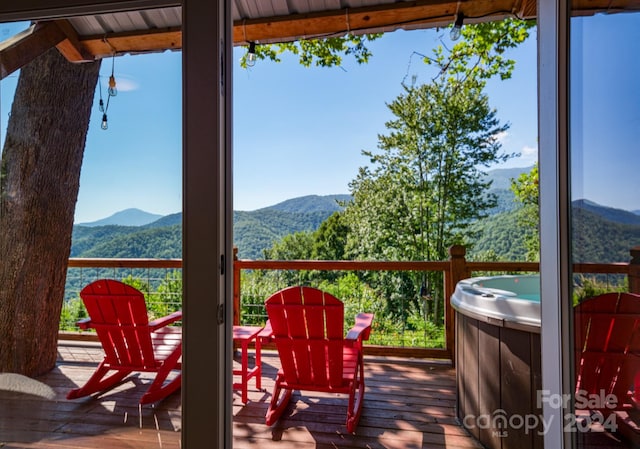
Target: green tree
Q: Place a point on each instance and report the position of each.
(330, 239)
(526, 190)
(291, 247)
(425, 186)
(296, 246)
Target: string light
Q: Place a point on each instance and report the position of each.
(112, 79)
(112, 91)
(112, 86)
(457, 27)
(251, 54)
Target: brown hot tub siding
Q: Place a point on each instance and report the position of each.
(498, 368)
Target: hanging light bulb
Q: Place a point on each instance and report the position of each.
(251, 54)
(457, 27)
(104, 122)
(112, 86)
(101, 105)
(112, 79)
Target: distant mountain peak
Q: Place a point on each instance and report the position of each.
(127, 217)
(608, 213)
(311, 203)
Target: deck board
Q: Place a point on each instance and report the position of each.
(408, 404)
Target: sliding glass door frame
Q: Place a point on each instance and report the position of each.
(207, 201)
(554, 182)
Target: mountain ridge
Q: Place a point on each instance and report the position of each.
(257, 230)
(126, 217)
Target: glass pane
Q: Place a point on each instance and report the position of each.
(81, 141)
(604, 135)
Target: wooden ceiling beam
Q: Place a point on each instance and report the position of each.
(426, 13)
(134, 42)
(297, 26)
(25, 46)
(71, 47)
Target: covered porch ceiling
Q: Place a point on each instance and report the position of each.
(87, 38)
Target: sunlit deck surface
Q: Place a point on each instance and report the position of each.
(409, 404)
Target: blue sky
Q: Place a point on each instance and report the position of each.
(606, 109)
(297, 131)
(300, 131)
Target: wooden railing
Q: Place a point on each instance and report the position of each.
(454, 270)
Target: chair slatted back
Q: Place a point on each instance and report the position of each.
(118, 312)
(608, 344)
(308, 329)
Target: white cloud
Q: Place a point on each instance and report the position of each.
(124, 83)
(529, 152)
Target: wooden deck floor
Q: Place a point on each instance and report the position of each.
(409, 404)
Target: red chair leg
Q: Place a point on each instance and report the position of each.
(158, 390)
(356, 397)
(98, 382)
(279, 401)
(155, 394)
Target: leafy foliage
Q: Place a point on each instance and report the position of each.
(480, 54)
(329, 240)
(327, 52)
(425, 186)
(526, 190)
(427, 178)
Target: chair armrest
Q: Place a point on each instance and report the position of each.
(266, 333)
(361, 328)
(84, 323)
(165, 320)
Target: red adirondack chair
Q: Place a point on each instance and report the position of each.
(608, 347)
(307, 326)
(131, 342)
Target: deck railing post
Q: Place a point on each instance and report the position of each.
(634, 270)
(458, 270)
(236, 288)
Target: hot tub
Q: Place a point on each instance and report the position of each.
(498, 364)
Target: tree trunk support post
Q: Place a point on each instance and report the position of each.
(634, 270)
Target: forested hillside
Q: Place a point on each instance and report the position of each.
(605, 234)
(254, 231)
(258, 230)
(499, 236)
(128, 242)
(600, 239)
